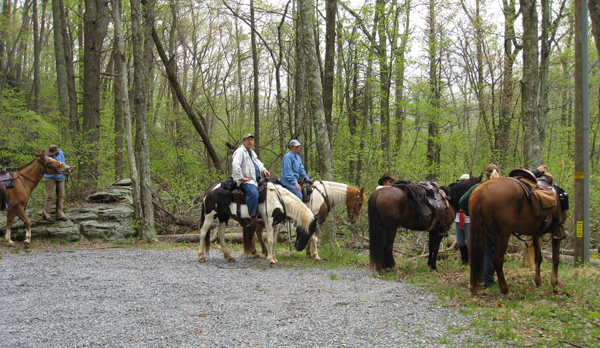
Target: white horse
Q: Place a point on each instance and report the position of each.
(280, 204)
(325, 196)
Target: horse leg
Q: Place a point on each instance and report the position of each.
(537, 248)
(261, 240)
(221, 238)
(10, 218)
(555, 261)
(271, 245)
(388, 249)
(204, 230)
(21, 214)
(434, 248)
(314, 240)
(498, 260)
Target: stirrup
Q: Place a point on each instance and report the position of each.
(559, 238)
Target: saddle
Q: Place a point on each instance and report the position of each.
(425, 198)
(540, 194)
(229, 192)
(6, 182)
(307, 190)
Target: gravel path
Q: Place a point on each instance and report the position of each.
(57, 297)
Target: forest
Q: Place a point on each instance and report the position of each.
(427, 90)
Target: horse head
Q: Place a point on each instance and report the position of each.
(355, 199)
(303, 235)
(51, 165)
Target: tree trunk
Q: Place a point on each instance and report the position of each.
(61, 65)
(147, 218)
(306, 29)
(328, 73)
(529, 92)
(96, 20)
(511, 50)
(399, 52)
(531, 140)
(119, 91)
(35, 102)
(255, 72)
(433, 143)
(121, 81)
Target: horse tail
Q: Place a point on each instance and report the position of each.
(376, 234)
(477, 238)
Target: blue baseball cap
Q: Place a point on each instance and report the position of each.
(294, 142)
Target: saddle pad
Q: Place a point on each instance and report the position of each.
(543, 202)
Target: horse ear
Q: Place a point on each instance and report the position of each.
(38, 154)
(362, 191)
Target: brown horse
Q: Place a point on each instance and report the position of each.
(389, 208)
(26, 180)
(500, 206)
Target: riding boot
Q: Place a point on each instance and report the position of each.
(253, 220)
(464, 254)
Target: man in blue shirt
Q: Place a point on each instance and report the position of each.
(292, 169)
(55, 187)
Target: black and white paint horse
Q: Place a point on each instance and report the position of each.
(279, 205)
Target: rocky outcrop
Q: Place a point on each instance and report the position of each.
(107, 215)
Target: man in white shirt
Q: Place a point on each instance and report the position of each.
(247, 170)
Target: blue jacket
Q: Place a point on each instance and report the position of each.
(292, 169)
(60, 156)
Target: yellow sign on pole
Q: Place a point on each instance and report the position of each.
(579, 175)
(579, 229)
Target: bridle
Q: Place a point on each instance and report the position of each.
(357, 203)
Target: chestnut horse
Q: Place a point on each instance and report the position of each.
(389, 209)
(325, 196)
(26, 180)
(501, 207)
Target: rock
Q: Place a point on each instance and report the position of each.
(112, 195)
(111, 221)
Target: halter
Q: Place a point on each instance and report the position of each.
(351, 213)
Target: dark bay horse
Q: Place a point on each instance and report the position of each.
(501, 207)
(26, 180)
(389, 209)
(280, 204)
(325, 196)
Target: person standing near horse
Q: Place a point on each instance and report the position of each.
(461, 224)
(55, 187)
(292, 169)
(247, 169)
(386, 180)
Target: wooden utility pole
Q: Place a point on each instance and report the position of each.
(581, 206)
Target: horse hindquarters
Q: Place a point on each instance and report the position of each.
(379, 252)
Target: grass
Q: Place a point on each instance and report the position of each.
(527, 316)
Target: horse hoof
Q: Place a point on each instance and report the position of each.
(256, 256)
(231, 260)
(202, 260)
(27, 244)
(11, 245)
(273, 265)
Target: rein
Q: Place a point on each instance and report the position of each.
(325, 197)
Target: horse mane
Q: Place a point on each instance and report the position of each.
(334, 191)
(294, 207)
(456, 190)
